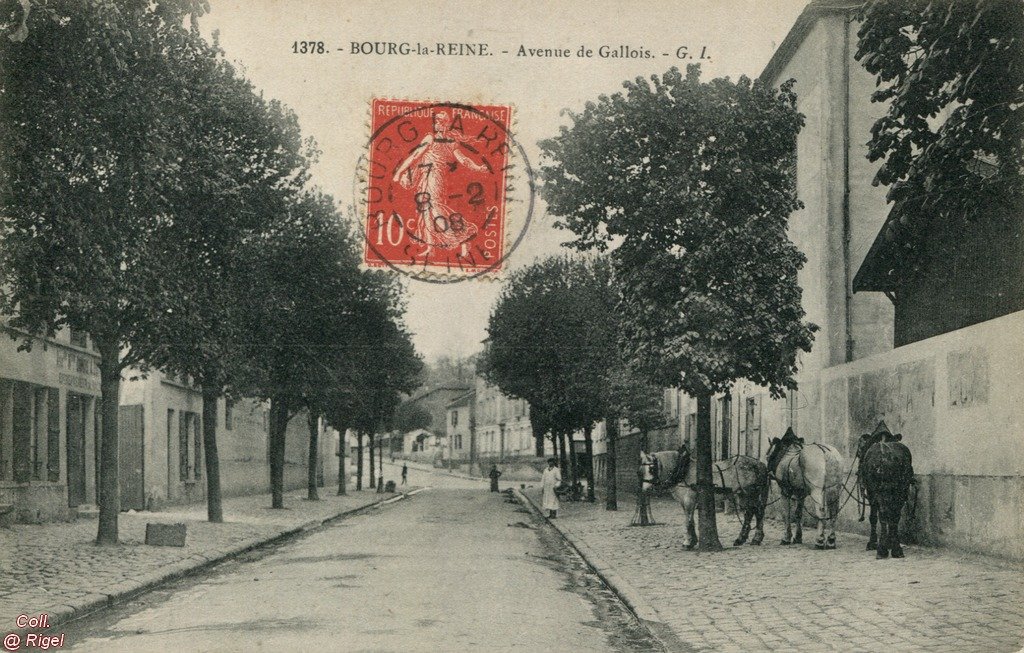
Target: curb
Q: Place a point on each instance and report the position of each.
(642, 611)
(184, 569)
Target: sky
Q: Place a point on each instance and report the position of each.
(331, 92)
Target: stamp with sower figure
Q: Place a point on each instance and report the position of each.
(437, 185)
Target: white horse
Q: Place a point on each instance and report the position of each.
(815, 471)
(743, 478)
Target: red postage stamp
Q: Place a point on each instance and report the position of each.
(437, 180)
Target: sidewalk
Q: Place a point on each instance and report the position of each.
(58, 570)
(775, 598)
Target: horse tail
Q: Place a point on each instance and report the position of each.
(833, 489)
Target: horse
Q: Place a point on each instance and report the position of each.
(814, 471)
(885, 474)
(743, 478)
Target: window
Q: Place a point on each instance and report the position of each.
(52, 435)
(78, 338)
(197, 459)
(229, 413)
(726, 413)
(6, 399)
(455, 417)
(184, 470)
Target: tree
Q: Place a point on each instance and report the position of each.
(305, 288)
(952, 139)
(377, 365)
(692, 182)
(245, 159)
(552, 344)
(410, 416)
(90, 101)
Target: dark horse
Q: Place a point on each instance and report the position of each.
(885, 475)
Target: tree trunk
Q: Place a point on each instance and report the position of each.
(573, 465)
(554, 446)
(359, 460)
(313, 421)
(563, 456)
(342, 489)
(214, 504)
(278, 428)
(380, 466)
(373, 477)
(611, 501)
(589, 443)
(538, 440)
(110, 492)
(708, 533)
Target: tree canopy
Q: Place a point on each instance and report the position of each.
(690, 184)
(952, 139)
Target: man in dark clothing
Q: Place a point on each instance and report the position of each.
(405, 473)
(494, 478)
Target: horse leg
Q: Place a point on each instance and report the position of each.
(759, 507)
(689, 503)
(747, 514)
(883, 533)
(799, 539)
(873, 518)
(833, 514)
(786, 505)
(894, 530)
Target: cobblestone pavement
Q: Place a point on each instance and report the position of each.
(58, 569)
(775, 598)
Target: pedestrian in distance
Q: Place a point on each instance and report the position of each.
(405, 473)
(494, 478)
(550, 481)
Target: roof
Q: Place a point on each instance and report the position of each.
(890, 254)
(462, 400)
(426, 392)
(801, 28)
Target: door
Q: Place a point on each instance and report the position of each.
(75, 434)
(130, 457)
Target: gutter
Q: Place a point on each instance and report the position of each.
(847, 228)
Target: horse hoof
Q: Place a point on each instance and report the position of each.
(738, 542)
(785, 542)
(798, 539)
(689, 547)
(897, 552)
(819, 546)
(871, 546)
(882, 555)
(755, 542)
(830, 545)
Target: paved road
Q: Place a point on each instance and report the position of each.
(448, 570)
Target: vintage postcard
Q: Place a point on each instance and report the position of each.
(534, 325)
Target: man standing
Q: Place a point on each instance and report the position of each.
(551, 479)
(494, 477)
(405, 473)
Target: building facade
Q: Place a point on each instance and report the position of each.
(49, 418)
(161, 444)
(947, 388)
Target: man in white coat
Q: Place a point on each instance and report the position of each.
(551, 479)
